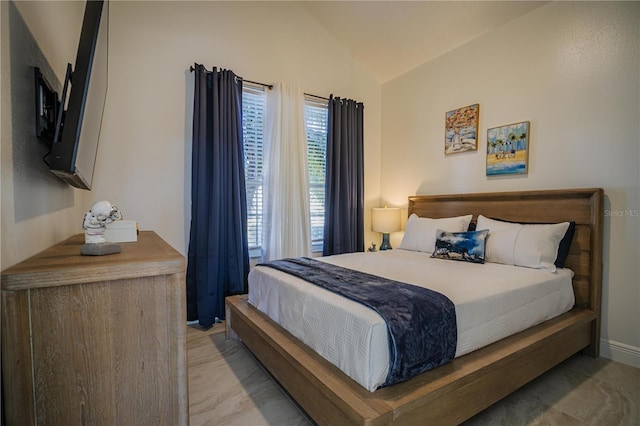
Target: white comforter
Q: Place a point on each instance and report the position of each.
(492, 301)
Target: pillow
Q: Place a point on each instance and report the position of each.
(563, 248)
(532, 246)
(420, 232)
(565, 245)
(467, 246)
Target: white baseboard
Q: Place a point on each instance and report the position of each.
(620, 352)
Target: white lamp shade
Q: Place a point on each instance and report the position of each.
(385, 219)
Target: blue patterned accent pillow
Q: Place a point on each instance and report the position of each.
(467, 246)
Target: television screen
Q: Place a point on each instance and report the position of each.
(73, 155)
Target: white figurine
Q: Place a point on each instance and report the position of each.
(96, 220)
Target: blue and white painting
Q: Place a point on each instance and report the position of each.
(466, 246)
(508, 149)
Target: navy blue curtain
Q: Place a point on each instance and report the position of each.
(218, 258)
(344, 192)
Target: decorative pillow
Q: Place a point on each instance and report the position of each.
(532, 246)
(467, 246)
(565, 242)
(420, 232)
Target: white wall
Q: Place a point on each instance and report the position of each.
(572, 69)
(145, 149)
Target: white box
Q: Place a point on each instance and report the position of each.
(122, 231)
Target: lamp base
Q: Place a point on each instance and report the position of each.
(385, 242)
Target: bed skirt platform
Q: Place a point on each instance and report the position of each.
(447, 395)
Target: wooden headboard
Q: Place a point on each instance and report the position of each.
(583, 206)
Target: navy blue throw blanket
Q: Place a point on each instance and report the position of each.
(421, 322)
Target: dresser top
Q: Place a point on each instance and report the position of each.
(63, 264)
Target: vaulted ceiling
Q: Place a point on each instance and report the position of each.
(392, 37)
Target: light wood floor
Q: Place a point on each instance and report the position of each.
(227, 386)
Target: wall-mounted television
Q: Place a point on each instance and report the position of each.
(74, 144)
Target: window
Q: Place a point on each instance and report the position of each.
(253, 100)
(316, 122)
(316, 117)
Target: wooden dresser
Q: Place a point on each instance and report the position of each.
(96, 339)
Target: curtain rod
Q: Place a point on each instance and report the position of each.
(270, 86)
(316, 96)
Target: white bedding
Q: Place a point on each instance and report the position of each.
(492, 301)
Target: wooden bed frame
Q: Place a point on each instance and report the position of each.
(454, 392)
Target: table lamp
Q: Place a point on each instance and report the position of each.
(385, 220)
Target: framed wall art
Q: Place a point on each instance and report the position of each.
(461, 129)
(508, 149)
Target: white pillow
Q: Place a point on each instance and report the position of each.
(532, 246)
(420, 233)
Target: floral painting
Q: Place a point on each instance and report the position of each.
(508, 149)
(461, 129)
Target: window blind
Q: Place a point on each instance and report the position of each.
(316, 116)
(253, 101)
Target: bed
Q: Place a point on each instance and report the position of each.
(456, 391)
